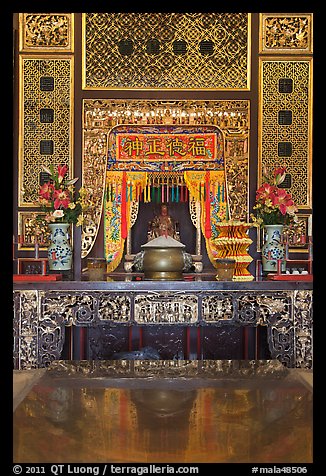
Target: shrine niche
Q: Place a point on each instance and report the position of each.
(100, 116)
(148, 164)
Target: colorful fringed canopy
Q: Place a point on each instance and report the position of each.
(163, 164)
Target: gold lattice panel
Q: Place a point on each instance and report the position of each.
(46, 32)
(45, 115)
(285, 123)
(99, 116)
(166, 51)
(285, 33)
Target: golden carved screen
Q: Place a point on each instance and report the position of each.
(46, 32)
(285, 116)
(285, 33)
(45, 120)
(166, 51)
(99, 116)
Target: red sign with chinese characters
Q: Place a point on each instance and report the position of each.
(166, 147)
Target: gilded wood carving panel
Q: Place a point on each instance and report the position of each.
(46, 115)
(40, 318)
(46, 32)
(166, 51)
(285, 33)
(285, 116)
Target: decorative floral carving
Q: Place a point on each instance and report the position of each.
(40, 318)
(287, 32)
(45, 31)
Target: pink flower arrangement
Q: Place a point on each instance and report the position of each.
(57, 197)
(274, 205)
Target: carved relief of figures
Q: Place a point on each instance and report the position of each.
(285, 32)
(163, 309)
(40, 318)
(46, 32)
(216, 308)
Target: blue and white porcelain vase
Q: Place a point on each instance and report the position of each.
(273, 249)
(59, 251)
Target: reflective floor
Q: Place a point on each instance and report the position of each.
(165, 412)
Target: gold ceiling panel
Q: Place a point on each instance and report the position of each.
(46, 32)
(285, 122)
(285, 33)
(45, 120)
(166, 51)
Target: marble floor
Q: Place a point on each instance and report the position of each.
(153, 417)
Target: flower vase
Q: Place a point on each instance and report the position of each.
(273, 249)
(59, 251)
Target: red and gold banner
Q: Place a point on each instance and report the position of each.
(209, 188)
(164, 147)
(122, 188)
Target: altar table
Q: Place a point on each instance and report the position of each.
(200, 411)
(127, 310)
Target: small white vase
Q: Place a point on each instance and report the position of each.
(59, 251)
(273, 249)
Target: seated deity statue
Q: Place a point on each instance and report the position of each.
(163, 224)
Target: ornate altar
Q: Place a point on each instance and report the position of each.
(163, 164)
(138, 153)
(187, 320)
